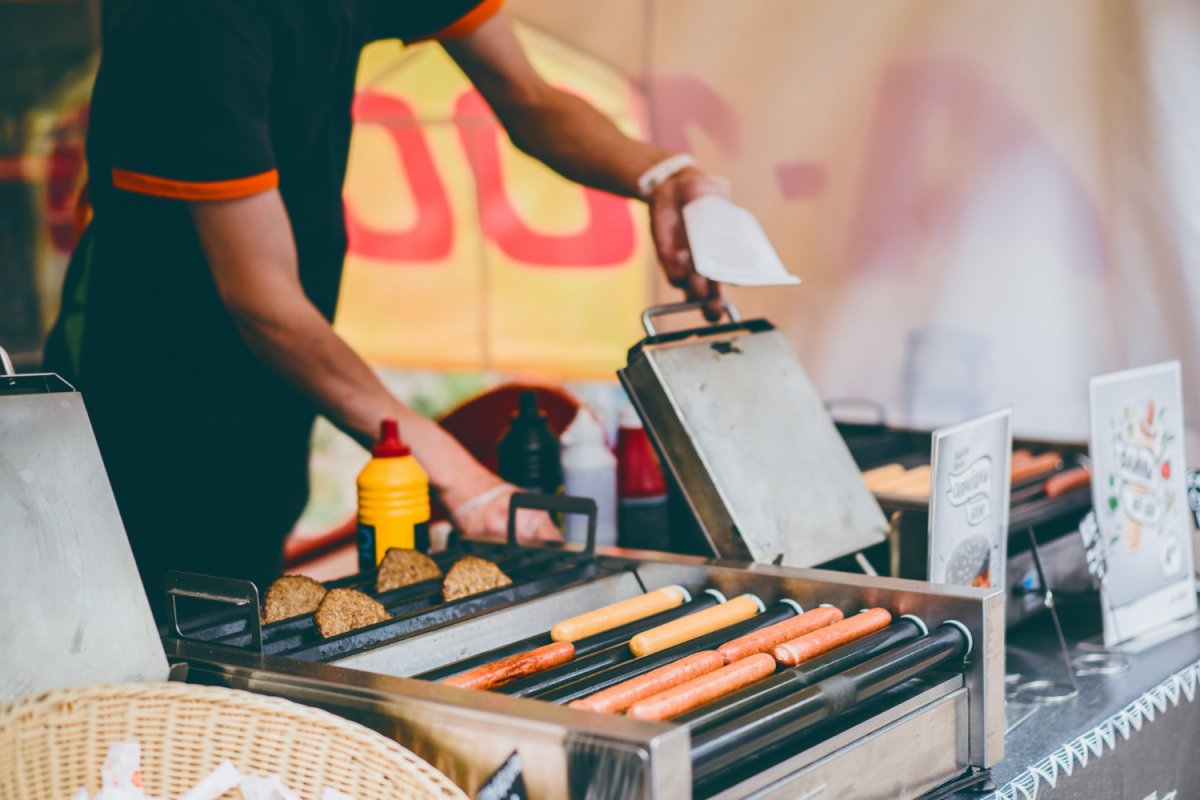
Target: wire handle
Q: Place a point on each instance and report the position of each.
(558, 503)
(677, 308)
(218, 590)
(6, 364)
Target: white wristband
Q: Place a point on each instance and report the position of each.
(480, 499)
(662, 172)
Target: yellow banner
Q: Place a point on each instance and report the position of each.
(465, 253)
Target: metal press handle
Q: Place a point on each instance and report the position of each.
(6, 364)
(675, 308)
(559, 503)
(219, 590)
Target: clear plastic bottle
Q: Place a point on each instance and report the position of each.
(590, 470)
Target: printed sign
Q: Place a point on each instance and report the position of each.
(968, 504)
(506, 783)
(1193, 484)
(1093, 548)
(1140, 495)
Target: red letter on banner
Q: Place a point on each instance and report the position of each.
(607, 241)
(431, 236)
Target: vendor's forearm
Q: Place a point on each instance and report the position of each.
(577, 141)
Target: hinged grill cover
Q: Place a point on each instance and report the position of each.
(750, 443)
(72, 608)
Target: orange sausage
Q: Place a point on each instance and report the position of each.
(1068, 481)
(693, 625)
(498, 673)
(1038, 465)
(704, 689)
(825, 639)
(762, 640)
(1020, 457)
(616, 699)
(616, 614)
(874, 476)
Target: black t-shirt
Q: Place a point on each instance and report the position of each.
(209, 100)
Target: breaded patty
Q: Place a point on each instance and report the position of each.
(401, 567)
(471, 575)
(291, 596)
(346, 609)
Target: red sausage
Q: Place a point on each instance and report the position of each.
(498, 673)
(762, 640)
(1068, 481)
(616, 699)
(821, 641)
(704, 689)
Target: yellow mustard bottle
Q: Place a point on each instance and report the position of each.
(393, 500)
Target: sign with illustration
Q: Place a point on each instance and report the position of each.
(968, 504)
(1140, 495)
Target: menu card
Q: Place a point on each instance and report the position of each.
(969, 500)
(1140, 496)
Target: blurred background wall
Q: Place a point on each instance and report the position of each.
(987, 202)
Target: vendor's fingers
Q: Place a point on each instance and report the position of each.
(714, 306)
(536, 526)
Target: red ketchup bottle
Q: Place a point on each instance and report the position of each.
(642, 520)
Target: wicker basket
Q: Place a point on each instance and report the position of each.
(53, 743)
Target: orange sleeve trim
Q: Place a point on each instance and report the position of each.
(468, 23)
(195, 190)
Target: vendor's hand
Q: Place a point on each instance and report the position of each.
(485, 514)
(670, 237)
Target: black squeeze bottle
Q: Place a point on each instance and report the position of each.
(528, 455)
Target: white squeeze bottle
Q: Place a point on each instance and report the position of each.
(589, 470)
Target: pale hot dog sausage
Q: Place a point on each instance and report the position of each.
(617, 698)
(617, 614)
(693, 625)
(872, 477)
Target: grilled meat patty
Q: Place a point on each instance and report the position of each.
(401, 567)
(346, 609)
(291, 596)
(471, 575)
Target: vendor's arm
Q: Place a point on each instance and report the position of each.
(249, 246)
(570, 136)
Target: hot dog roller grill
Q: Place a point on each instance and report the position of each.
(894, 729)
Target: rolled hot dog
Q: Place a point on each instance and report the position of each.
(872, 477)
(825, 639)
(762, 640)
(915, 482)
(693, 625)
(498, 673)
(1040, 464)
(888, 483)
(1067, 481)
(704, 689)
(617, 614)
(617, 698)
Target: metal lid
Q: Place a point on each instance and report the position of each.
(72, 607)
(750, 443)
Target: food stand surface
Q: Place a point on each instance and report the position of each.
(1130, 735)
